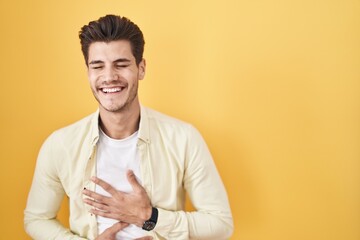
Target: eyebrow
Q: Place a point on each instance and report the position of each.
(95, 62)
(122, 60)
(119, 60)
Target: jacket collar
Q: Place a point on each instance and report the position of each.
(144, 130)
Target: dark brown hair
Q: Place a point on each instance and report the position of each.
(112, 28)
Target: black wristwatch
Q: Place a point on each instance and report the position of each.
(150, 224)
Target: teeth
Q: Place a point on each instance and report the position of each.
(111, 90)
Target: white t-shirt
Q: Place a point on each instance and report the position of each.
(114, 158)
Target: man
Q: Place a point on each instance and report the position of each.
(125, 168)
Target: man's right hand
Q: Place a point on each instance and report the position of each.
(110, 233)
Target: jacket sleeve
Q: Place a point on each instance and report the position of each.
(45, 198)
(212, 218)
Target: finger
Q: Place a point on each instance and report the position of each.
(97, 205)
(111, 215)
(107, 187)
(133, 182)
(97, 197)
(116, 228)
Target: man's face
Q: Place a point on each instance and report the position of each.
(114, 75)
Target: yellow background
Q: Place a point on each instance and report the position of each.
(274, 87)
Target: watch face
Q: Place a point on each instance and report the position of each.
(148, 225)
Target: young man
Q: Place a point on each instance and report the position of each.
(125, 168)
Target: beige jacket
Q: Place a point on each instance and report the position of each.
(174, 160)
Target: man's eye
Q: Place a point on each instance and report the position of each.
(121, 66)
(97, 67)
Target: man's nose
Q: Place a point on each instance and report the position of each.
(110, 74)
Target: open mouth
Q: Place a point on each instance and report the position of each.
(111, 90)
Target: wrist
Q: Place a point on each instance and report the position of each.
(148, 213)
(143, 216)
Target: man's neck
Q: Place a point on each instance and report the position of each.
(119, 125)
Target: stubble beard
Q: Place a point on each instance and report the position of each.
(122, 106)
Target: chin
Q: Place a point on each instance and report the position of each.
(114, 108)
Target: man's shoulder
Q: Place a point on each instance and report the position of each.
(167, 125)
(169, 128)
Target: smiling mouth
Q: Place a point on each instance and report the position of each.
(111, 90)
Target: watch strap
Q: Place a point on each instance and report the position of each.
(151, 222)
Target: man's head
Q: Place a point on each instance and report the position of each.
(113, 49)
(112, 28)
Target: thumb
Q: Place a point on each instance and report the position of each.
(133, 182)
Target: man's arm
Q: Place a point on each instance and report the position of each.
(45, 198)
(212, 218)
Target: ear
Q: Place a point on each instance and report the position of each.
(142, 69)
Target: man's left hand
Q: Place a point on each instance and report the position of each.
(134, 208)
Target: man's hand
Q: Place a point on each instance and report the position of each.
(110, 233)
(134, 208)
